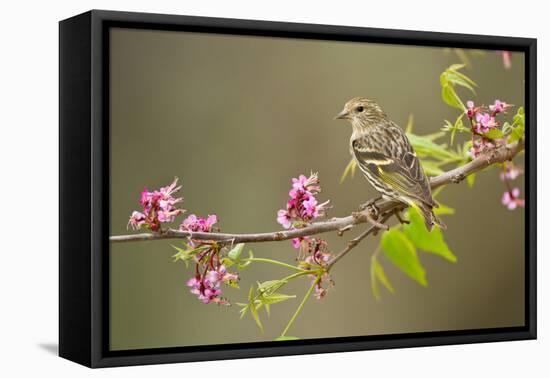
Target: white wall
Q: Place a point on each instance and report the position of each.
(28, 156)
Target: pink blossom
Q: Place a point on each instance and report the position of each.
(471, 110)
(511, 199)
(305, 184)
(194, 283)
(318, 255)
(310, 207)
(221, 275)
(321, 288)
(206, 290)
(319, 292)
(297, 242)
(481, 146)
(484, 123)
(197, 224)
(167, 216)
(319, 258)
(137, 219)
(167, 191)
(511, 172)
(159, 206)
(499, 107)
(146, 197)
(302, 207)
(298, 184)
(283, 218)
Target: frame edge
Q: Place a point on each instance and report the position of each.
(75, 276)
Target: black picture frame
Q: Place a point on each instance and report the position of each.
(84, 187)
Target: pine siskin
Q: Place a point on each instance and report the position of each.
(387, 159)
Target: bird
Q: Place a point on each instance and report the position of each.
(387, 159)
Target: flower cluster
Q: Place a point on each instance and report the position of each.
(510, 198)
(322, 287)
(196, 224)
(158, 206)
(318, 255)
(210, 272)
(207, 287)
(481, 145)
(483, 120)
(510, 171)
(302, 207)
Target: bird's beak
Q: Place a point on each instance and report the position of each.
(342, 115)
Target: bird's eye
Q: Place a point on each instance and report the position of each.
(359, 109)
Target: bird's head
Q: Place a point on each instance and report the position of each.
(361, 112)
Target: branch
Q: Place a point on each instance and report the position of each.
(354, 242)
(496, 155)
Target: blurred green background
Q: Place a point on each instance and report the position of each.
(235, 118)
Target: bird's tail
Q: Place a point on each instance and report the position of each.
(430, 219)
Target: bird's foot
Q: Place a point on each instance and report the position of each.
(400, 218)
(371, 207)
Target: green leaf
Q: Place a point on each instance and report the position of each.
(235, 252)
(243, 310)
(185, 254)
(286, 338)
(519, 118)
(458, 126)
(429, 241)
(450, 97)
(516, 134)
(450, 78)
(269, 299)
(431, 168)
(425, 147)
(243, 265)
(272, 286)
(377, 274)
(506, 128)
(233, 283)
(471, 179)
(227, 262)
(494, 134)
(254, 309)
(443, 210)
(401, 251)
(456, 67)
(455, 77)
(433, 136)
(517, 129)
(410, 122)
(453, 74)
(350, 169)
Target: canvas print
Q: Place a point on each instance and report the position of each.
(277, 189)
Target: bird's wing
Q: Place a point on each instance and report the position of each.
(400, 170)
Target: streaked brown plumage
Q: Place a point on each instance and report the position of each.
(387, 159)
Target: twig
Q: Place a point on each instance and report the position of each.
(354, 242)
(499, 154)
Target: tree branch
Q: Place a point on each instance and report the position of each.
(498, 154)
(355, 241)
